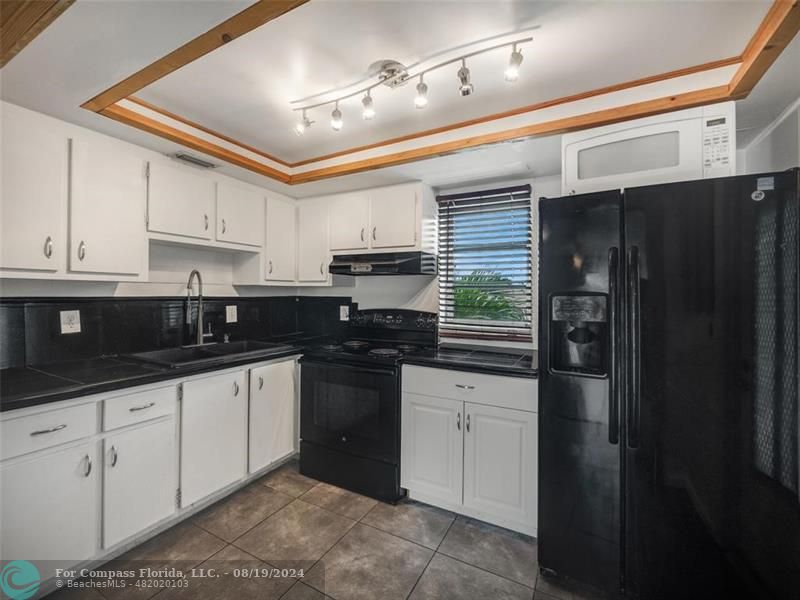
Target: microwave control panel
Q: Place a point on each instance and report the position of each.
(717, 147)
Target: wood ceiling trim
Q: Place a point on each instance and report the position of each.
(21, 21)
(241, 23)
(129, 117)
(776, 31)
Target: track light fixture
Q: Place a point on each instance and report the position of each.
(393, 75)
(336, 118)
(514, 61)
(421, 99)
(369, 110)
(465, 88)
(303, 124)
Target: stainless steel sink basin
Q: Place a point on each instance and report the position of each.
(206, 354)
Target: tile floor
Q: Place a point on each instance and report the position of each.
(348, 547)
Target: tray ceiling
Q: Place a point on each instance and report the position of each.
(243, 89)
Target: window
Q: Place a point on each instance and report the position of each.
(485, 264)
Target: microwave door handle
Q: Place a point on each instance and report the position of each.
(614, 370)
(633, 407)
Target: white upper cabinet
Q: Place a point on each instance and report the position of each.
(313, 256)
(349, 221)
(181, 202)
(280, 255)
(394, 218)
(33, 192)
(240, 215)
(107, 208)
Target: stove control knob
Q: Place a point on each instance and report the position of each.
(344, 438)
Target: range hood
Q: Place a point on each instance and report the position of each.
(385, 263)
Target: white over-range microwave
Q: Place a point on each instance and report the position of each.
(696, 143)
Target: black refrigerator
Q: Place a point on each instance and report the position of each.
(668, 436)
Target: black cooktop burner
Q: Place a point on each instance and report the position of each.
(406, 348)
(331, 347)
(355, 344)
(386, 352)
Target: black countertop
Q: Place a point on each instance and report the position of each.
(41, 384)
(480, 359)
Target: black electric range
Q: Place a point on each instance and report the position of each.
(350, 401)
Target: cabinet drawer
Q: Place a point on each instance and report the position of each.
(141, 406)
(42, 430)
(494, 390)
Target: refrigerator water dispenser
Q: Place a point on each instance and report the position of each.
(579, 334)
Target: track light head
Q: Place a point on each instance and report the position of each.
(421, 99)
(514, 61)
(465, 88)
(303, 124)
(369, 109)
(336, 118)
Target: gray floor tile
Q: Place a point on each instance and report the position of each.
(225, 585)
(342, 502)
(448, 579)
(367, 564)
(494, 549)
(549, 588)
(288, 480)
(301, 591)
(295, 536)
(235, 515)
(413, 521)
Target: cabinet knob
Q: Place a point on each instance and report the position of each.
(235, 388)
(260, 382)
(87, 470)
(362, 234)
(223, 226)
(322, 268)
(374, 230)
(205, 218)
(114, 456)
(467, 423)
(270, 267)
(82, 250)
(458, 421)
(48, 247)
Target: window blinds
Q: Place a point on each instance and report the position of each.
(485, 264)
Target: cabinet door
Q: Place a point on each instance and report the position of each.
(280, 256)
(500, 462)
(393, 216)
(432, 448)
(107, 208)
(313, 256)
(180, 202)
(49, 507)
(213, 434)
(33, 193)
(273, 413)
(140, 480)
(240, 215)
(349, 221)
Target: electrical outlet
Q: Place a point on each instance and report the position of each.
(70, 321)
(230, 314)
(344, 313)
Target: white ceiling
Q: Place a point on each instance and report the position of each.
(243, 90)
(95, 44)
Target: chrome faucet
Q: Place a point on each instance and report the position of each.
(192, 275)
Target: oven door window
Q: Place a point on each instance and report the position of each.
(353, 409)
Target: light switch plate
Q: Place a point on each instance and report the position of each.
(344, 313)
(70, 321)
(230, 314)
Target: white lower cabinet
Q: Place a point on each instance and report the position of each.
(432, 447)
(213, 434)
(140, 481)
(49, 507)
(477, 459)
(272, 414)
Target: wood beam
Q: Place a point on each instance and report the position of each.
(22, 20)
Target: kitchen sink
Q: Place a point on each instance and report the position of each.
(206, 354)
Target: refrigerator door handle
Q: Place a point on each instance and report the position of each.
(635, 345)
(613, 321)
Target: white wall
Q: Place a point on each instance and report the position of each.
(778, 147)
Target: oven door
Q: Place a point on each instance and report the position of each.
(354, 409)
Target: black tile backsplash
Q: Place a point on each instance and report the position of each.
(30, 328)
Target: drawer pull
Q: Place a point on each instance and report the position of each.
(114, 456)
(88, 469)
(142, 407)
(461, 386)
(51, 430)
